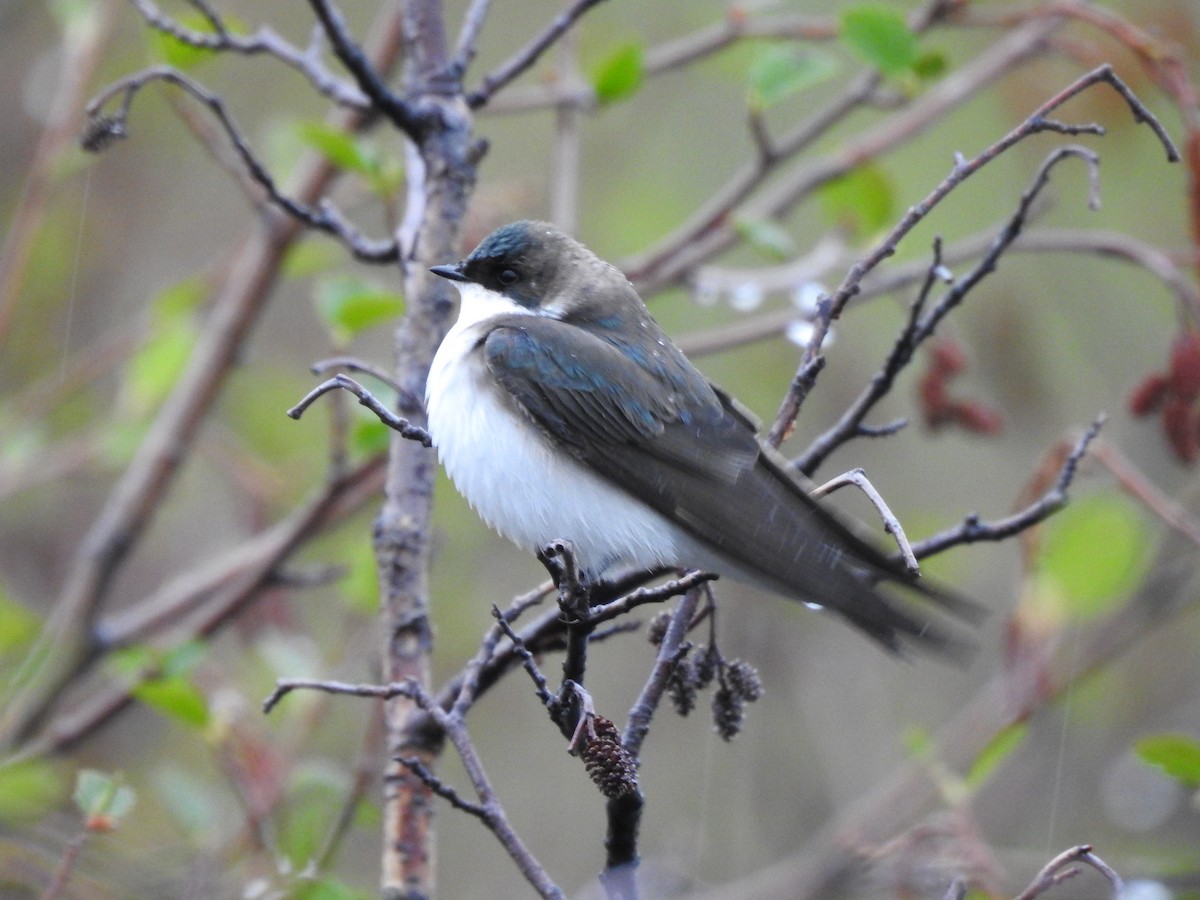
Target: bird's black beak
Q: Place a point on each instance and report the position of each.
(454, 272)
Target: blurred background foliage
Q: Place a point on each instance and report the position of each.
(123, 259)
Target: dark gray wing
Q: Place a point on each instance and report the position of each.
(672, 442)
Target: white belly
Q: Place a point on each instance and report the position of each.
(523, 486)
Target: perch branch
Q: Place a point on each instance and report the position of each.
(365, 398)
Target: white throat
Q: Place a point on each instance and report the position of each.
(520, 483)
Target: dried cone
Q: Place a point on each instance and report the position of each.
(608, 763)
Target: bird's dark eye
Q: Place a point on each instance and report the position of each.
(508, 277)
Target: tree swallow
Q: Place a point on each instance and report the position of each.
(561, 410)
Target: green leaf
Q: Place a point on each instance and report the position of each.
(346, 151)
(769, 238)
(28, 790)
(311, 257)
(103, 798)
(360, 586)
(879, 35)
(369, 436)
(350, 305)
(176, 697)
(1095, 553)
(930, 65)
(619, 74)
(918, 742)
(326, 889)
(181, 54)
(780, 71)
(312, 804)
(153, 370)
(133, 661)
(1176, 754)
(180, 300)
(998, 749)
(157, 678)
(862, 200)
(18, 625)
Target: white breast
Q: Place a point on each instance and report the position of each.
(522, 485)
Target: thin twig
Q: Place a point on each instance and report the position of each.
(1062, 867)
(891, 524)
(353, 364)
(1092, 242)
(668, 654)
(443, 790)
(540, 683)
(488, 810)
(368, 77)
(1035, 123)
(344, 382)
(972, 529)
(713, 229)
(1135, 482)
(324, 217)
(920, 324)
(468, 38)
(66, 865)
(263, 41)
(529, 54)
(657, 594)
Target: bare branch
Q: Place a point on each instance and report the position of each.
(972, 530)
(265, 41)
(488, 810)
(963, 169)
(1112, 244)
(858, 478)
(668, 654)
(321, 366)
(529, 54)
(919, 327)
(1062, 867)
(1135, 482)
(443, 790)
(344, 382)
(676, 588)
(711, 230)
(368, 77)
(468, 38)
(324, 217)
(540, 683)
